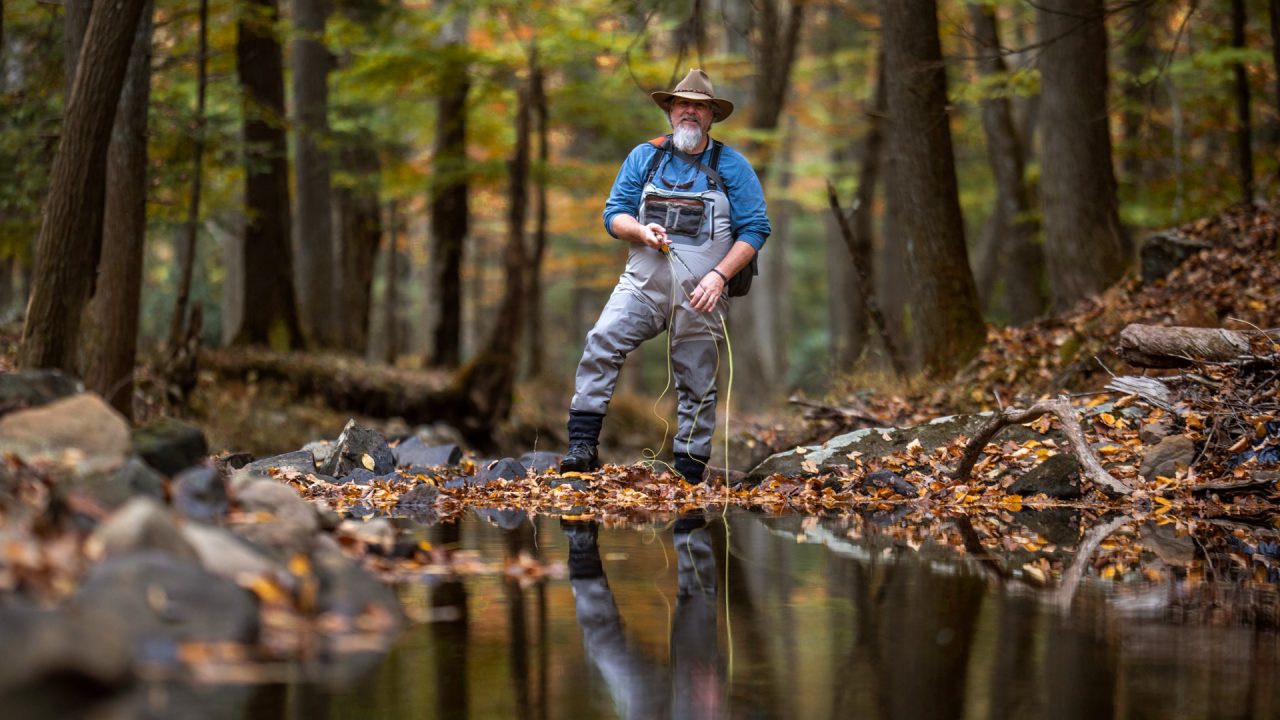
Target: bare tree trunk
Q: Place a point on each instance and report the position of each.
(1085, 246)
(360, 231)
(1137, 57)
(187, 254)
(70, 239)
(450, 198)
(314, 230)
(922, 189)
(537, 353)
(1244, 127)
(75, 22)
(110, 338)
(270, 308)
(1019, 260)
(774, 39)
(391, 298)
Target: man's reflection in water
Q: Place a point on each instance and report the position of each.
(693, 685)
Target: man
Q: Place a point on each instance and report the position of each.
(694, 213)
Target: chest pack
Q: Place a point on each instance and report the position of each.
(683, 214)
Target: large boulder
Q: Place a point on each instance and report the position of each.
(834, 454)
(161, 602)
(169, 445)
(81, 432)
(359, 447)
(33, 388)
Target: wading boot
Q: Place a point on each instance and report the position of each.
(584, 438)
(691, 467)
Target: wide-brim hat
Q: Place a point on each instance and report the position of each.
(695, 86)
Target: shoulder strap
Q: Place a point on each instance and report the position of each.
(663, 144)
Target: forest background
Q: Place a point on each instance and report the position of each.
(420, 184)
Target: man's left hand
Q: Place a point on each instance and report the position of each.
(707, 294)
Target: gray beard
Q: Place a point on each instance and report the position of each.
(686, 138)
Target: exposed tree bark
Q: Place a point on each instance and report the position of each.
(1086, 248)
(314, 230)
(1244, 126)
(70, 239)
(538, 102)
(484, 387)
(270, 308)
(1019, 261)
(110, 337)
(187, 253)
(921, 187)
(774, 36)
(450, 197)
(359, 232)
(391, 298)
(75, 22)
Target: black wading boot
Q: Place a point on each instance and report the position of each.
(584, 437)
(691, 467)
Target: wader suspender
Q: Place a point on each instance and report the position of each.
(663, 144)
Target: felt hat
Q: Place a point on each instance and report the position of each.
(695, 86)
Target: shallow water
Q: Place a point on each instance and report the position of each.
(756, 617)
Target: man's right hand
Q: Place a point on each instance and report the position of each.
(655, 236)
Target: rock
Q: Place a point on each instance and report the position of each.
(82, 432)
(111, 490)
(1164, 251)
(1058, 476)
(321, 450)
(301, 461)
(377, 533)
(1153, 432)
(419, 503)
(349, 592)
(1163, 459)
(227, 555)
(161, 602)
(170, 446)
(439, 434)
(33, 388)
(504, 469)
(44, 645)
(1164, 541)
(541, 461)
(414, 453)
(359, 446)
(505, 518)
(200, 493)
(359, 476)
(1060, 526)
(292, 522)
(890, 479)
(328, 518)
(576, 484)
(833, 455)
(141, 524)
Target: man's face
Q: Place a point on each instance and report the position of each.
(696, 112)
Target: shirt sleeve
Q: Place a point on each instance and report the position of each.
(624, 197)
(749, 216)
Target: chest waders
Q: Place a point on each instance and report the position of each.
(651, 296)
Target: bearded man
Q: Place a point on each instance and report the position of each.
(694, 214)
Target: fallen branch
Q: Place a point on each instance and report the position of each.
(1155, 346)
(1150, 389)
(1060, 409)
(839, 413)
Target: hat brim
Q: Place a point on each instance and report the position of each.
(724, 108)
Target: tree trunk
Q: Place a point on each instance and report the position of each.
(922, 191)
(270, 308)
(360, 231)
(1137, 58)
(110, 338)
(450, 198)
(75, 23)
(1275, 48)
(391, 298)
(1019, 260)
(485, 386)
(1244, 127)
(762, 348)
(538, 101)
(314, 232)
(70, 239)
(1086, 248)
(187, 253)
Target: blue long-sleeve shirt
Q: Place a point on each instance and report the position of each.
(748, 215)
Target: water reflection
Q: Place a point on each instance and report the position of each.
(871, 616)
